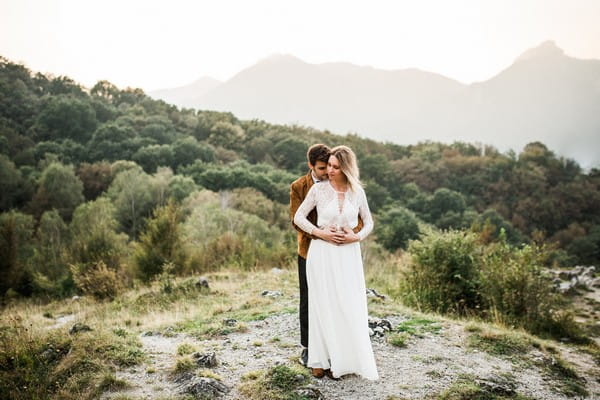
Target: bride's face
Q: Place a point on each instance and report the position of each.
(333, 169)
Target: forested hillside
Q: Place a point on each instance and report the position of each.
(101, 175)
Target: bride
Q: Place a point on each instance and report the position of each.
(338, 336)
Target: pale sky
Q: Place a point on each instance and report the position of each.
(155, 44)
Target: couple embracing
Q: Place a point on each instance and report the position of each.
(330, 212)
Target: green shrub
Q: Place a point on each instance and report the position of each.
(454, 272)
(160, 244)
(443, 275)
(98, 281)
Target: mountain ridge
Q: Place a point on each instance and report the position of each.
(544, 95)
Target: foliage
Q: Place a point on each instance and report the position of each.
(59, 188)
(454, 272)
(16, 239)
(444, 273)
(98, 281)
(218, 236)
(160, 243)
(49, 269)
(395, 227)
(94, 236)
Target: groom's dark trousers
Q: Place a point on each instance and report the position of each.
(298, 191)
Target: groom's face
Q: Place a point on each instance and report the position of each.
(320, 170)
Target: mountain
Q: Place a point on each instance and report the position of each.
(186, 96)
(544, 96)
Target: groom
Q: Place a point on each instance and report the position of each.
(318, 156)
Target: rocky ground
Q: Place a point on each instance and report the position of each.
(429, 363)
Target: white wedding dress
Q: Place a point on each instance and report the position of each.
(338, 332)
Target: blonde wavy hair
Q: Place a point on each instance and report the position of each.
(348, 165)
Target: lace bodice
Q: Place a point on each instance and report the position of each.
(335, 208)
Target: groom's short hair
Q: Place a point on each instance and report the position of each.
(318, 152)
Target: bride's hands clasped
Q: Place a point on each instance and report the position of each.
(338, 237)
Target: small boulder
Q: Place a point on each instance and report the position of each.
(208, 360)
(202, 283)
(79, 327)
(201, 387)
(272, 293)
(230, 322)
(373, 293)
(309, 392)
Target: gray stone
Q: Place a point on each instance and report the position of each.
(309, 392)
(373, 293)
(272, 293)
(230, 322)
(202, 283)
(79, 327)
(208, 360)
(201, 387)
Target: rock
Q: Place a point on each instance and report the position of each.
(79, 327)
(379, 331)
(371, 333)
(201, 387)
(75, 298)
(230, 322)
(208, 360)
(276, 271)
(151, 333)
(380, 322)
(373, 293)
(309, 392)
(202, 283)
(497, 386)
(272, 293)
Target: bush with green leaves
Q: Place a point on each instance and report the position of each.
(444, 273)
(161, 243)
(518, 292)
(97, 280)
(455, 272)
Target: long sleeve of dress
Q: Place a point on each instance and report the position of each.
(310, 202)
(365, 214)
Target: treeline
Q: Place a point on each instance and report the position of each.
(92, 177)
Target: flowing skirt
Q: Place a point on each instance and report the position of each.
(338, 332)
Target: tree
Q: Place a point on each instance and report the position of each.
(395, 227)
(94, 236)
(96, 178)
(132, 199)
(160, 243)
(59, 188)
(66, 117)
(187, 150)
(181, 187)
(11, 181)
(154, 156)
(49, 266)
(227, 135)
(111, 142)
(446, 207)
(290, 154)
(16, 237)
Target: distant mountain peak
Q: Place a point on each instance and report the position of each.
(547, 49)
(280, 58)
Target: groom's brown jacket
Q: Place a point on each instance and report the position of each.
(298, 191)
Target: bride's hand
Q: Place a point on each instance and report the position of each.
(349, 236)
(328, 234)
